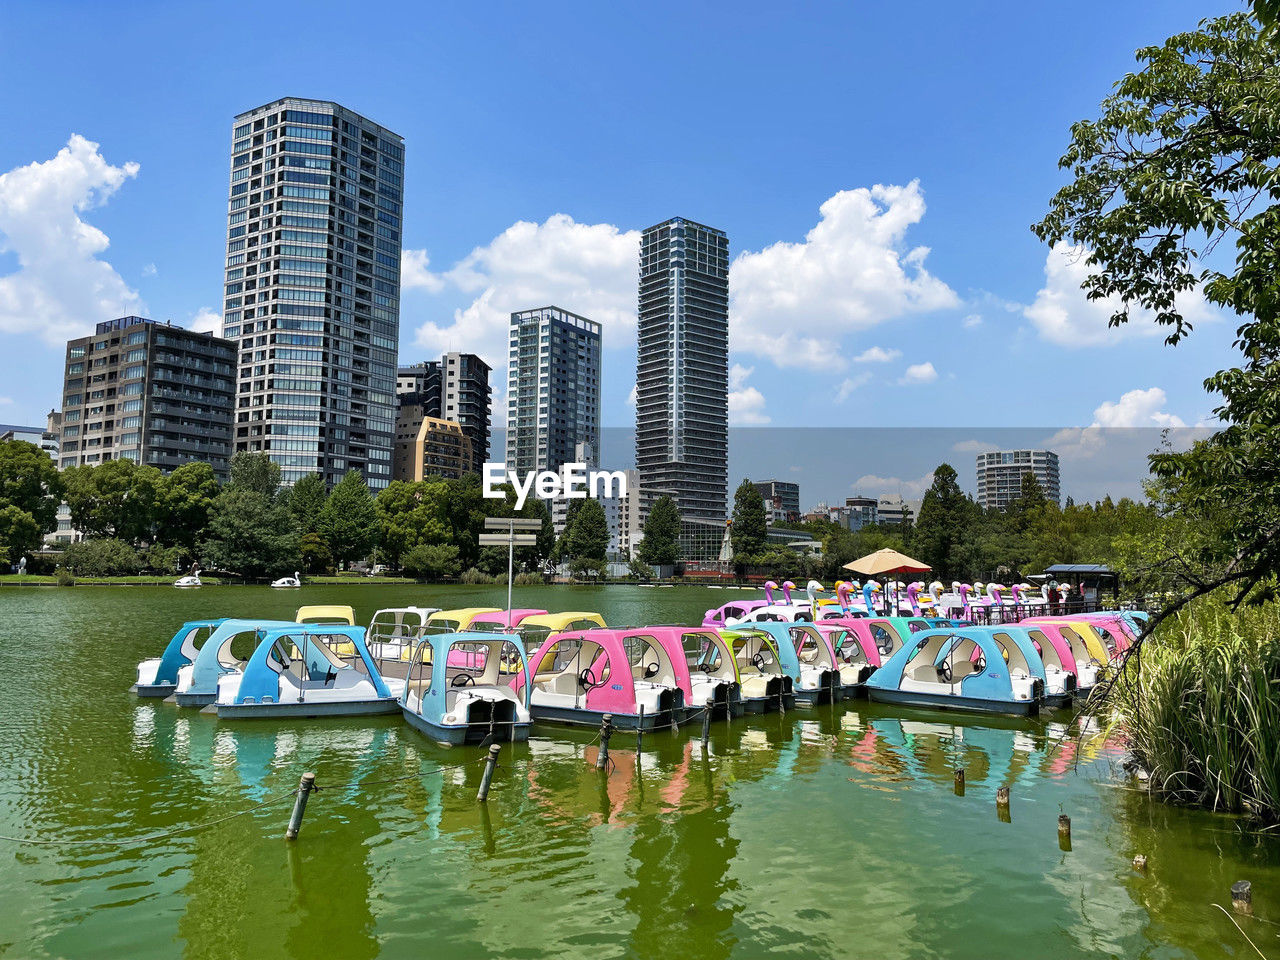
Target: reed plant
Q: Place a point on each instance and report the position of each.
(1200, 708)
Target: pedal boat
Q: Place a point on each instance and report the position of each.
(704, 667)
(326, 613)
(764, 684)
(468, 687)
(938, 670)
(300, 671)
(534, 630)
(1049, 660)
(857, 656)
(1088, 649)
(806, 656)
(504, 621)
(158, 677)
(198, 680)
(579, 676)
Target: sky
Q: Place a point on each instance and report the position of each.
(876, 167)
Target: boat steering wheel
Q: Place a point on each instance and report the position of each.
(757, 661)
(980, 665)
(587, 680)
(944, 672)
(651, 670)
(463, 680)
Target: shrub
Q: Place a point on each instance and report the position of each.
(473, 576)
(528, 580)
(101, 558)
(431, 561)
(65, 578)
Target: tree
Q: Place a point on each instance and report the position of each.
(117, 499)
(19, 532)
(104, 557)
(661, 543)
(1181, 161)
(432, 561)
(184, 500)
(411, 514)
(256, 472)
(945, 523)
(314, 551)
(250, 534)
(750, 528)
(349, 519)
(29, 481)
(306, 500)
(588, 537)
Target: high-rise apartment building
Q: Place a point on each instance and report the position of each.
(553, 390)
(781, 500)
(454, 389)
(148, 392)
(1000, 475)
(313, 287)
(682, 378)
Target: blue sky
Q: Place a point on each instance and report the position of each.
(539, 138)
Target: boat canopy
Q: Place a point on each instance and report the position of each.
(467, 658)
(451, 621)
(183, 648)
(601, 666)
(946, 656)
(504, 619)
(316, 648)
(326, 613)
(537, 628)
(216, 656)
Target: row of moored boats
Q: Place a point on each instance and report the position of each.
(467, 675)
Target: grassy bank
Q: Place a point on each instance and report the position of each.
(1201, 712)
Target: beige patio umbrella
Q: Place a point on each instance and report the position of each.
(886, 561)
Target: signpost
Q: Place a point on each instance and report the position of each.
(526, 537)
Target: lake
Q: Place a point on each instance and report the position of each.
(827, 832)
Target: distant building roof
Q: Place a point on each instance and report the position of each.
(15, 428)
(1079, 568)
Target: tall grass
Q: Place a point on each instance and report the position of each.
(1200, 709)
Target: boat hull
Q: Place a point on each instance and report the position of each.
(569, 716)
(154, 690)
(194, 699)
(910, 698)
(456, 735)
(337, 708)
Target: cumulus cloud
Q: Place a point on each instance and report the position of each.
(149, 270)
(5, 401)
(849, 384)
(919, 373)
(588, 269)
(1064, 315)
(974, 446)
(853, 270)
(61, 288)
(1135, 408)
(877, 355)
(875, 486)
(634, 396)
(971, 321)
(206, 318)
(746, 403)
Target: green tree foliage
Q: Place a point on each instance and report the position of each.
(185, 498)
(306, 500)
(30, 490)
(750, 528)
(587, 537)
(118, 499)
(314, 551)
(1181, 163)
(409, 515)
(256, 472)
(945, 513)
(250, 533)
(105, 557)
(348, 520)
(661, 543)
(436, 561)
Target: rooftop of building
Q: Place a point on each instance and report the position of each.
(331, 105)
(685, 220)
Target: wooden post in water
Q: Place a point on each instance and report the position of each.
(1140, 863)
(1064, 831)
(487, 777)
(959, 781)
(706, 724)
(606, 730)
(1242, 897)
(640, 729)
(305, 786)
(1002, 804)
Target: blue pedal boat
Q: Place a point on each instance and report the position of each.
(158, 677)
(805, 655)
(226, 651)
(307, 670)
(962, 669)
(468, 687)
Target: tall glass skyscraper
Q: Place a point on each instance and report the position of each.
(313, 287)
(682, 378)
(553, 390)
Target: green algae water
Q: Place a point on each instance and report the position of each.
(828, 832)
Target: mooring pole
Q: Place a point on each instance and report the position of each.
(305, 786)
(640, 729)
(1242, 897)
(487, 777)
(606, 730)
(1002, 804)
(959, 781)
(706, 724)
(1064, 831)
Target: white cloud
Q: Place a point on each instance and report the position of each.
(792, 301)
(588, 269)
(149, 270)
(206, 318)
(634, 396)
(746, 403)
(919, 373)
(61, 288)
(877, 355)
(5, 401)
(971, 321)
(1065, 316)
(874, 486)
(1137, 408)
(849, 385)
